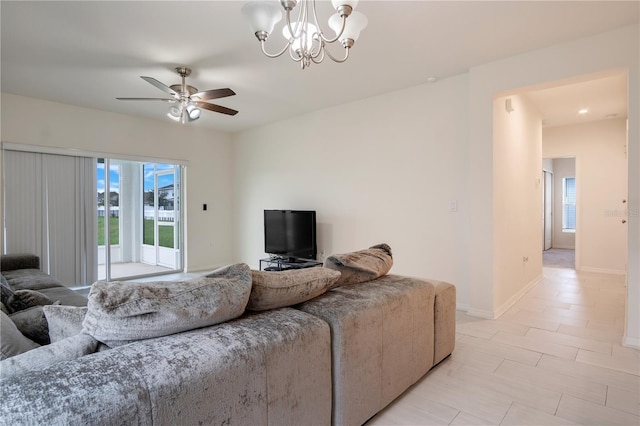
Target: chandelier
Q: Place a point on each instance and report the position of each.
(305, 40)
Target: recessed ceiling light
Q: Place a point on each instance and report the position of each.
(432, 79)
(583, 111)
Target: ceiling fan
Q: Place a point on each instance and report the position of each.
(188, 101)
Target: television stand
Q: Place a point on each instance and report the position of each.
(284, 264)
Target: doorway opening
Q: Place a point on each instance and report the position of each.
(559, 212)
(139, 219)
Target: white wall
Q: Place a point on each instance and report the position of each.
(383, 169)
(377, 168)
(617, 49)
(601, 182)
(517, 200)
(562, 168)
(209, 170)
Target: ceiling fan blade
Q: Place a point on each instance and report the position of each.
(146, 99)
(213, 94)
(215, 108)
(160, 86)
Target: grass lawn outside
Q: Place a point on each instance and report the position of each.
(165, 233)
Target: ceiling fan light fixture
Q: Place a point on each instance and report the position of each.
(193, 112)
(187, 102)
(174, 113)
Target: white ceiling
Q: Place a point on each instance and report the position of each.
(87, 53)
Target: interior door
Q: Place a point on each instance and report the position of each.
(548, 209)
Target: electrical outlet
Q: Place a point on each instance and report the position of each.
(453, 206)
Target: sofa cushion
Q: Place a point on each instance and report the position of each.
(10, 262)
(64, 321)
(24, 299)
(271, 290)
(382, 342)
(65, 295)
(45, 356)
(360, 266)
(32, 324)
(119, 312)
(30, 279)
(12, 341)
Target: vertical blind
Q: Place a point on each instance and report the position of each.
(50, 207)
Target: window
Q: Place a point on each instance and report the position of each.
(569, 204)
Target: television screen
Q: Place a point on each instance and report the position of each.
(290, 233)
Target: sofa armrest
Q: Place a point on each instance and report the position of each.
(10, 262)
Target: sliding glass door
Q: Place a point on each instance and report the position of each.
(138, 218)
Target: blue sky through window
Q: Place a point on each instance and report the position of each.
(114, 176)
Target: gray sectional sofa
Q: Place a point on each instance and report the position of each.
(22, 271)
(337, 358)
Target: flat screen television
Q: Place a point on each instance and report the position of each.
(290, 233)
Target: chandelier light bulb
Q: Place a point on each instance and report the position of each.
(303, 39)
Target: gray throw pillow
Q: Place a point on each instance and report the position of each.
(119, 312)
(24, 299)
(361, 266)
(32, 324)
(12, 342)
(271, 290)
(64, 321)
(45, 356)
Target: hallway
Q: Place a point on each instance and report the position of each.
(559, 258)
(554, 358)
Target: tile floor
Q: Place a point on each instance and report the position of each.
(554, 358)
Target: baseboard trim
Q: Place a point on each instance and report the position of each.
(508, 304)
(563, 247)
(519, 295)
(631, 342)
(602, 270)
(462, 307)
(480, 313)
